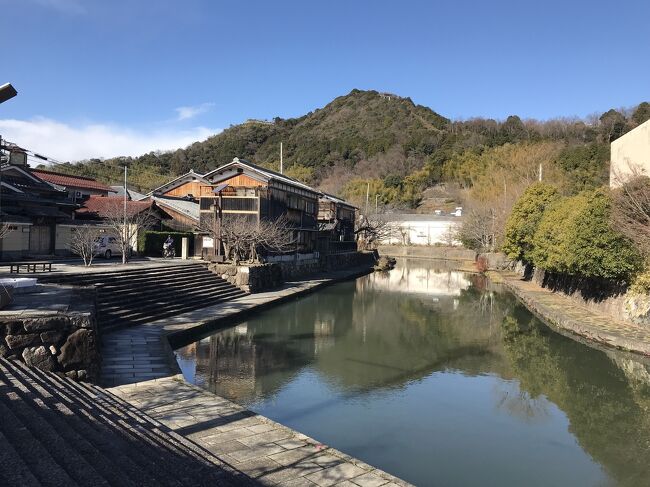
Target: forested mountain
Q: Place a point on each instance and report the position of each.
(400, 148)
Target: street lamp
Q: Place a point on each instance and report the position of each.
(216, 230)
(7, 92)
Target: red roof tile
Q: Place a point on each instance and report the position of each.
(104, 206)
(67, 180)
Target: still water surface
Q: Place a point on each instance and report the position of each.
(440, 378)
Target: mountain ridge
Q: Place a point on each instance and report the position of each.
(363, 136)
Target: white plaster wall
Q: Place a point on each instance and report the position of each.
(428, 232)
(630, 152)
(16, 240)
(62, 241)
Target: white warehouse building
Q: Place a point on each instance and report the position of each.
(419, 229)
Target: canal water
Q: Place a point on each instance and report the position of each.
(440, 378)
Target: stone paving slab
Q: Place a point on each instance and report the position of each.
(266, 451)
(565, 315)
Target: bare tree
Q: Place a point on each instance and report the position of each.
(83, 242)
(373, 229)
(631, 211)
(5, 228)
(273, 236)
(244, 239)
(450, 236)
(479, 229)
(138, 217)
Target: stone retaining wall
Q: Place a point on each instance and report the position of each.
(255, 278)
(601, 296)
(64, 342)
(427, 252)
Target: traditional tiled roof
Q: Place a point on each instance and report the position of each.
(132, 195)
(105, 206)
(67, 180)
(179, 205)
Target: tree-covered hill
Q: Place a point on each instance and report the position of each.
(387, 141)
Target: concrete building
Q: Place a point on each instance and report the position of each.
(630, 154)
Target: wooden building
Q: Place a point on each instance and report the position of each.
(336, 219)
(37, 212)
(180, 200)
(260, 194)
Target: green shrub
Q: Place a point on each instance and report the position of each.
(550, 242)
(524, 220)
(597, 249)
(575, 237)
(150, 243)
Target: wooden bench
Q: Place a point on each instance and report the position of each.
(31, 267)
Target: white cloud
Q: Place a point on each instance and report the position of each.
(64, 142)
(185, 113)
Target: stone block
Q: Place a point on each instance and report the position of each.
(13, 327)
(52, 337)
(40, 358)
(43, 324)
(21, 341)
(80, 349)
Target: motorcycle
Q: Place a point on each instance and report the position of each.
(169, 251)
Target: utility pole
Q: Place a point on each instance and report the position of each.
(376, 204)
(124, 230)
(367, 198)
(540, 172)
(281, 168)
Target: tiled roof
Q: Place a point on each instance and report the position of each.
(67, 180)
(180, 205)
(134, 195)
(105, 206)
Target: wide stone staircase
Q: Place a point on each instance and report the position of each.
(57, 432)
(136, 296)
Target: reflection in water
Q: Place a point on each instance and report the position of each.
(440, 378)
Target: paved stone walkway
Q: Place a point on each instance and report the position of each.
(266, 451)
(565, 314)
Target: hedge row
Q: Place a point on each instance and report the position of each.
(150, 243)
(570, 235)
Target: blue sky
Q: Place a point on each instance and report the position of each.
(115, 77)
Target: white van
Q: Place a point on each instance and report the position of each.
(107, 246)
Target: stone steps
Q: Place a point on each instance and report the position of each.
(55, 431)
(137, 296)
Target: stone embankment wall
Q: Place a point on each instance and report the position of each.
(64, 342)
(427, 252)
(256, 278)
(600, 296)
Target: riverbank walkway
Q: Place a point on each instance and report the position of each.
(565, 315)
(266, 451)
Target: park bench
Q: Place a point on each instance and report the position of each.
(15, 267)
